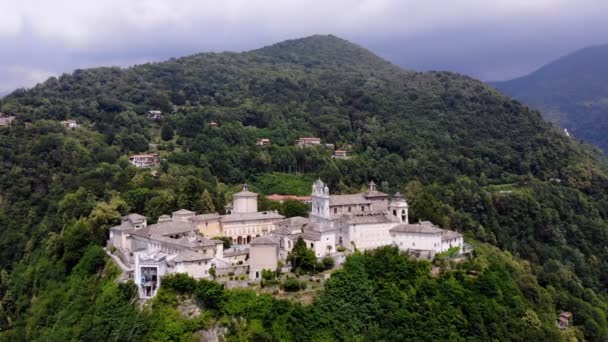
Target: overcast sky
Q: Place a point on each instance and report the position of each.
(487, 39)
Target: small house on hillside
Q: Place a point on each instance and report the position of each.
(145, 161)
(213, 124)
(263, 142)
(564, 320)
(307, 142)
(6, 120)
(341, 154)
(155, 114)
(70, 124)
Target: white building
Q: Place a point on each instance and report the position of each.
(360, 222)
(145, 161)
(424, 239)
(263, 255)
(70, 124)
(155, 114)
(243, 222)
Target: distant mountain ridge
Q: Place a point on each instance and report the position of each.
(571, 91)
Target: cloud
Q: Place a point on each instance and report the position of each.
(487, 39)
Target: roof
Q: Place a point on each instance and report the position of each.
(398, 195)
(123, 227)
(206, 217)
(156, 256)
(245, 193)
(418, 228)
(375, 193)
(260, 215)
(133, 217)
(143, 156)
(263, 241)
(352, 199)
(188, 255)
(235, 251)
(370, 217)
(165, 228)
(183, 212)
(450, 234)
(186, 242)
(293, 221)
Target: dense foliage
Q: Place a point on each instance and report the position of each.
(571, 91)
(467, 158)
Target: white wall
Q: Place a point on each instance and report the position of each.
(369, 236)
(195, 269)
(262, 257)
(447, 244)
(419, 241)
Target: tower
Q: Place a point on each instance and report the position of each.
(320, 200)
(245, 201)
(398, 208)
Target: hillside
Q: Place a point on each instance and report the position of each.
(571, 91)
(467, 158)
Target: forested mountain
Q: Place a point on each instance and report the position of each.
(571, 91)
(467, 157)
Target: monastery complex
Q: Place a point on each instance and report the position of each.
(337, 225)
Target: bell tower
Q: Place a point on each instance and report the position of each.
(398, 208)
(320, 200)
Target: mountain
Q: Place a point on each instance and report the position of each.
(467, 158)
(571, 91)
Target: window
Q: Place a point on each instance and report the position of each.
(362, 208)
(335, 210)
(394, 212)
(349, 209)
(312, 245)
(413, 244)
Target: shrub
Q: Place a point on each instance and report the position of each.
(328, 263)
(340, 248)
(293, 285)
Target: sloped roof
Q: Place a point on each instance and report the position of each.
(449, 234)
(260, 215)
(234, 251)
(206, 217)
(188, 255)
(367, 218)
(417, 228)
(165, 228)
(183, 212)
(352, 199)
(294, 221)
(133, 217)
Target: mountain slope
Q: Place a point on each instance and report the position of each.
(466, 156)
(571, 91)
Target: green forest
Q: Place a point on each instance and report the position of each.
(532, 201)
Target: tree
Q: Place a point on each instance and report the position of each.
(166, 132)
(206, 203)
(302, 258)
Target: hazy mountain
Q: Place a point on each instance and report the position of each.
(571, 91)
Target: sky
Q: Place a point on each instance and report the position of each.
(486, 39)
